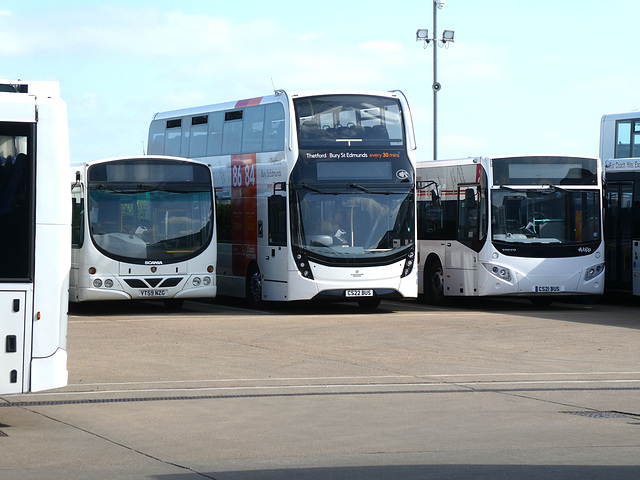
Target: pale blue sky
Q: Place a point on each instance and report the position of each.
(523, 77)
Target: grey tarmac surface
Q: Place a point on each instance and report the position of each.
(481, 390)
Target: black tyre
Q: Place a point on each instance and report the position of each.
(434, 283)
(254, 287)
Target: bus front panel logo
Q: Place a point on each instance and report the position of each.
(402, 174)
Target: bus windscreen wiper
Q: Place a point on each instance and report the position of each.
(366, 190)
(359, 187)
(555, 187)
(317, 190)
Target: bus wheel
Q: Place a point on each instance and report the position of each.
(254, 287)
(434, 283)
(369, 303)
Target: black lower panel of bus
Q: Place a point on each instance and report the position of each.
(341, 294)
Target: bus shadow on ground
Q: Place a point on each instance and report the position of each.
(441, 472)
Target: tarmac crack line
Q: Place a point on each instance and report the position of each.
(121, 445)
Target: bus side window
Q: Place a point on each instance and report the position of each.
(431, 219)
(216, 122)
(253, 128)
(468, 217)
(274, 128)
(232, 132)
(156, 138)
(173, 137)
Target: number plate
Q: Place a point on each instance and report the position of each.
(152, 293)
(359, 293)
(548, 288)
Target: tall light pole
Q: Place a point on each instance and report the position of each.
(447, 36)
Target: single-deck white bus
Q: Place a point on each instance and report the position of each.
(315, 192)
(143, 229)
(35, 229)
(523, 226)
(620, 154)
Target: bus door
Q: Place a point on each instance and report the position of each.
(12, 328)
(461, 258)
(618, 236)
(274, 254)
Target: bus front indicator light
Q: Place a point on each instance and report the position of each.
(593, 271)
(408, 264)
(499, 271)
(303, 265)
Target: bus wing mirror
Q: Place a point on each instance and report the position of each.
(435, 198)
(470, 198)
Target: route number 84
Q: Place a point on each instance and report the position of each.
(243, 175)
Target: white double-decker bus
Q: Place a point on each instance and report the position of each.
(315, 192)
(620, 154)
(34, 236)
(525, 226)
(143, 229)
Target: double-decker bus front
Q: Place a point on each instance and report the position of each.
(351, 199)
(143, 228)
(525, 226)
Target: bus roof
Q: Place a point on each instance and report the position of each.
(277, 96)
(633, 113)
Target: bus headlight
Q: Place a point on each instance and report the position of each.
(503, 273)
(303, 264)
(206, 281)
(108, 283)
(97, 283)
(196, 281)
(593, 271)
(408, 263)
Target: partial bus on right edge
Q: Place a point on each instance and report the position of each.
(526, 226)
(620, 154)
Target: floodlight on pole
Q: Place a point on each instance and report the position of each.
(447, 36)
(422, 35)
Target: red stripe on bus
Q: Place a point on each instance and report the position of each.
(249, 102)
